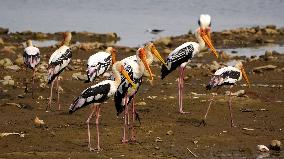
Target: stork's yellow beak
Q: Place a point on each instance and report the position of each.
(142, 55)
(155, 52)
(205, 35)
(245, 76)
(125, 74)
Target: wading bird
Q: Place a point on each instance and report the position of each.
(183, 54)
(99, 63)
(155, 31)
(226, 76)
(58, 61)
(31, 60)
(135, 65)
(97, 94)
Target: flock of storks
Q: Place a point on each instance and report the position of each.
(126, 77)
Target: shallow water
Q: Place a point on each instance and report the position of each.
(131, 18)
(254, 51)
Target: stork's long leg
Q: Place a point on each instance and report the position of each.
(50, 97)
(57, 85)
(124, 140)
(94, 108)
(25, 81)
(181, 86)
(33, 78)
(207, 111)
(133, 120)
(98, 109)
(230, 108)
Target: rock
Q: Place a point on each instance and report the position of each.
(264, 68)
(262, 148)
(269, 41)
(157, 148)
(11, 82)
(38, 122)
(267, 53)
(269, 31)
(6, 62)
(8, 81)
(271, 27)
(4, 30)
(40, 35)
(1, 41)
(6, 78)
(13, 67)
(166, 41)
(170, 132)
(9, 49)
(271, 58)
(167, 51)
(90, 46)
(158, 139)
(275, 145)
(240, 93)
(19, 61)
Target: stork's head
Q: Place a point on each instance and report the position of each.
(113, 52)
(119, 66)
(239, 65)
(152, 48)
(141, 52)
(204, 32)
(66, 38)
(204, 21)
(29, 43)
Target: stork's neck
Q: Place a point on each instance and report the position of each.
(201, 42)
(141, 66)
(150, 57)
(117, 76)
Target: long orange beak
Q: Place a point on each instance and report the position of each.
(245, 76)
(205, 35)
(155, 52)
(144, 60)
(125, 74)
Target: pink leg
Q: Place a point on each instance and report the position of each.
(97, 126)
(181, 85)
(50, 97)
(26, 82)
(230, 108)
(94, 108)
(58, 93)
(133, 120)
(124, 140)
(207, 111)
(33, 83)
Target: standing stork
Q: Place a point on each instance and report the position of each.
(226, 76)
(97, 94)
(135, 65)
(58, 61)
(99, 63)
(183, 54)
(31, 57)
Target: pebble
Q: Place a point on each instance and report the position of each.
(170, 132)
(262, 148)
(6, 62)
(13, 67)
(264, 68)
(38, 122)
(158, 139)
(141, 103)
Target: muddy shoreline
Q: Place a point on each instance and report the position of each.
(163, 133)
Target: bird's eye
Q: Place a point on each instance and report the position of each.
(210, 24)
(199, 22)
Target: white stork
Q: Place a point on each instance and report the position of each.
(99, 63)
(97, 94)
(31, 57)
(135, 65)
(226, 76)
(183, 54)
(58, 61)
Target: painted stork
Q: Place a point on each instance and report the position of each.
(183, 54)
(31, 58)
(58, 61)
(226, 76)
(97, 94)
(99, 63)
(135, 65)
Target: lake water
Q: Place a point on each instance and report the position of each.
(130, 18)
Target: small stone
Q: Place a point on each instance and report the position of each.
(262, 148)
(170, 132)
(195, 141)
(263, 68)
(158, 139)
(11, 82)
(21, 96)
(19, 61)
(6, 62)
(38, 122)
(157, 148)
(275, 145)
(6, 78)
